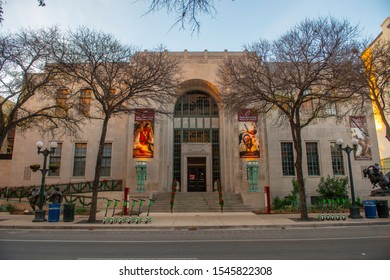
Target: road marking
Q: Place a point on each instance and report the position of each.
(196, 241)
(137, 259)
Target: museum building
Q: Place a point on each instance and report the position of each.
(199, 144)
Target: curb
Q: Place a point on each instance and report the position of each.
(193, 227)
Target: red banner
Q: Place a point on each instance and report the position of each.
(143, 145)
(249, 144)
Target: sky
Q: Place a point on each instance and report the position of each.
(235, 23)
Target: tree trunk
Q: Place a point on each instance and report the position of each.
(2, 138)
(3, 135)
(95, 184)
(297, 139)
(3, 129)
(387, 126)
(385, 123)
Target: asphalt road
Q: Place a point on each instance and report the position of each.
(337, 243)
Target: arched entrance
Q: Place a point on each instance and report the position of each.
(196, 151)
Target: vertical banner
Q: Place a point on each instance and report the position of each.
(248, 138)
(359, 131)
(143, 145)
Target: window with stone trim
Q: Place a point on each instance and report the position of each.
(85, 102)
(287, 153)
(313, 163)
(80, 159)
(337, 159)
(61, 102)
(330, 109)
(55, 159)
(105, 169)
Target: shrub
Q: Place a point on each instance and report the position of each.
(8, 208)
(278, 203)
(335, 187)
(290, 202)
(81, 211)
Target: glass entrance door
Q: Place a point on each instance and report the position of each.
(196, 180)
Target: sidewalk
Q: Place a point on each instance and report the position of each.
(190, 221)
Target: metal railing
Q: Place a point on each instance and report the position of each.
(220, 196)
(173, 194)
(19, 193)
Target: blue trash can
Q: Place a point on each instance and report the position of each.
(370, 208)
(54, 212)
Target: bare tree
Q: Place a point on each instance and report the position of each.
(298, 77)
(119, 78)
(186, 11)
(24, 76)
(376, 60)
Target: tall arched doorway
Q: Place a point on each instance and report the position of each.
(196, 153)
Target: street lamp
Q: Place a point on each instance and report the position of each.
(40, 213)
(354, 211)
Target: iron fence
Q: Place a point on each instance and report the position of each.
(67, 189)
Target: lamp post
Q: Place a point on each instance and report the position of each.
(354, 211)
(40, 213)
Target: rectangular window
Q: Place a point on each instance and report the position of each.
(337, 159)
(105, 169)
(196, 136)
(61, 102)
(330, 109)
(80, 157)
(313, 164)
(307, 107)
(85, 102)
(55, 159)
(287, 159)
(113, 97)
(216, 154)
(177, 155)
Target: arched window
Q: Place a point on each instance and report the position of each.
(196, 104)
(196, 120)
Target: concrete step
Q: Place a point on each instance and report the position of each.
(199, 202)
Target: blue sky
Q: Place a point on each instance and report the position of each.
(236, 22)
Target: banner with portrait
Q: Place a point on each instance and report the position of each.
(143, 144)
(249, 144)
(359, 131)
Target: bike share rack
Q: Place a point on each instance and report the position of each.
(131, 218)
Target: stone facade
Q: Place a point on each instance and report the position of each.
(221, 158)
(384, 144)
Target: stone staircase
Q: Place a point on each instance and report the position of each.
(199, 202)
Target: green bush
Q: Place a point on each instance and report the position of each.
(278, 203)
(8, 208)
(81, 211)
(290, 202)
(335, 187)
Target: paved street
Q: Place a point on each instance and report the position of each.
(330, 243)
